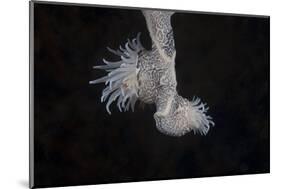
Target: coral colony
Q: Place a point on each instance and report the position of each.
(150, 77)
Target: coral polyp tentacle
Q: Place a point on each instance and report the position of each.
(121, 80)
(198, 120)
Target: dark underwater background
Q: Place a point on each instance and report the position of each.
(223, 59)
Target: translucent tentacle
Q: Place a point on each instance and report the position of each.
(198, 119)
(121, 80)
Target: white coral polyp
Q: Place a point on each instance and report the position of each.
(197, 119)
(121, 80)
